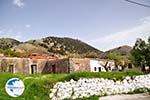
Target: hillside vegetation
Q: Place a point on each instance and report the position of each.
(7, 43)
(124, 50)
(64, 46)
(51, 46)
(56, 46)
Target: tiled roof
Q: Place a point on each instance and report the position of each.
(39, 57)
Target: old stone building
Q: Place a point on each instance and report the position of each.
(85, 64)
(45, 65)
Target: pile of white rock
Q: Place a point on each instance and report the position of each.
(98, 86)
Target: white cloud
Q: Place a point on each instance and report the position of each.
(126, 37)
(18, 37)
(18, 3)
(10, 33)
(145, 20)
(28, 26)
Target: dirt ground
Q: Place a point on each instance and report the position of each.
(145, 96)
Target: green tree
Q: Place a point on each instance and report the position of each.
(113, 56)
(140, 53)
(148, 53)
(9, 52)
(91, 55)
(118, 59)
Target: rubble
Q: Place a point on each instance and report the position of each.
(98, 86)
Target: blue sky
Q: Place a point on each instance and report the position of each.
(104, 24)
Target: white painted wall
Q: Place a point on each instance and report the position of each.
(95, 64)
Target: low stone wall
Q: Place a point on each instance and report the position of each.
(98, 86)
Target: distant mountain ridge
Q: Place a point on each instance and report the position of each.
(121, 50)
(124, 50)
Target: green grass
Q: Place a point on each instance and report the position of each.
(140, 90)
(37, 87)
(108, 75)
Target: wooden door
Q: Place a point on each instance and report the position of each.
(54, 69)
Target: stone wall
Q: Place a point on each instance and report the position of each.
(61, 66)
(23, 65)
(98, 86)
(79, 64)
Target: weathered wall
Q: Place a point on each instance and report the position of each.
(46, 66)
(79, 64)
(23, 65)
(16, 62)
(0, 63)
(61, 66)
(41, 63)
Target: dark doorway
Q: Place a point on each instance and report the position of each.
(54, 69)
(11, 68)
(99, 69)
(33, 68)
(130, 66)
(94, 68)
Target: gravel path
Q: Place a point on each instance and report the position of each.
(144, 96)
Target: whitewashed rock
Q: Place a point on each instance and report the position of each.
(97, 86)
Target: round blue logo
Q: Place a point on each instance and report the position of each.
(14, 87)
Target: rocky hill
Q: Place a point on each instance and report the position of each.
(52, 46)
(121, 50)
(64, 45)
(7, 43)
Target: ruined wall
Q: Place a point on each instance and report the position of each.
(21, 65)
(0, 63)
(40, 63)
(79, 64)
(56, 66)
(13, 65)
(44, 66)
